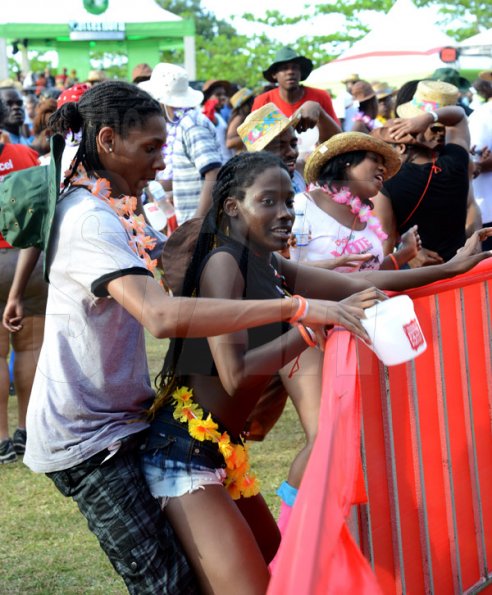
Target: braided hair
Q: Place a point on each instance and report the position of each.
(238, 174)
(117, 104)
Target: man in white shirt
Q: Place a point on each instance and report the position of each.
(480, 124)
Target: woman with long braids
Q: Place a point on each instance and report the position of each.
(195, 463)
(88, 413)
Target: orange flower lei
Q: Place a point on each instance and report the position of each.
(240, 481)
(124, 208)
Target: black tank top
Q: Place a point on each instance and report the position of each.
(261, 282)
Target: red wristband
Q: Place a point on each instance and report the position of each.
(302, 310)
(394, 261)
(307, 334)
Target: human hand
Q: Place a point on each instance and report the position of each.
(480, 157)
(410, 245)
(424, 258)
(326, 313)
(471, 253)
(347, 260)
(473, 244)
(292, 241)
(309, 115)
(365, 298)
(403, 126)
(13, 315)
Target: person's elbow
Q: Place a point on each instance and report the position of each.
(160, 320)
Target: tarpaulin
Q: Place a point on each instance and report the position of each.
(318, 555)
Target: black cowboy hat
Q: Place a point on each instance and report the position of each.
(287, 54)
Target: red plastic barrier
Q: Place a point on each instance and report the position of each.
(427, 456)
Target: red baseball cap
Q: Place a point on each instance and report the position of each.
(72, 94)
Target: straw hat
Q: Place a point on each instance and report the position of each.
(96, 76)
(263, 125)
(429, 96)
(240, 97)
(287, 54)
(352, 78)
(347, 142)
(486, 75)
(169, 84)
(210, 85)
(10, 84)
(362, 91)
(382, 90)
(141, 72)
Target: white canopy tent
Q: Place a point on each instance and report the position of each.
(480, 43)
(477, 50)
(404, 45)
(73, 27)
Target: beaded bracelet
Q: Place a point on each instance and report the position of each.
(302, 310)
(307, 334)
(394, 261)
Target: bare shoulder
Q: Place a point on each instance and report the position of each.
(221, 277)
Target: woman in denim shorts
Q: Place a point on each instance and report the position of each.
(195, 463)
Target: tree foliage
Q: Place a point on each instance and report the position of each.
(223, 53)
(464, 18)
(206, 24)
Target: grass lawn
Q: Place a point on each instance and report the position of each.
(45, 546)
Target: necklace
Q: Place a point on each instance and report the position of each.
(124, 208)
(367, 120)
(358, 208)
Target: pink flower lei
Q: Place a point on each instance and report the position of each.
(367, 120)
(124, 207)
(363, 211)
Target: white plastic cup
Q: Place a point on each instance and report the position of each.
(155, 216)
(394, 330)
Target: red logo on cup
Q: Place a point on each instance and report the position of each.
(414, 334)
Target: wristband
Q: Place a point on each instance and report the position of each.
(434, 115)
(394, 261)
(302, 310)
(307, 334)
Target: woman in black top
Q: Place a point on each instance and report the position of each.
(431, 188)
(196, 464)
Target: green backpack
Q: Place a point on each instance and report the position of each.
(28, 200)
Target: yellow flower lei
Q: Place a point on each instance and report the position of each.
(124, 208)
(240, 480)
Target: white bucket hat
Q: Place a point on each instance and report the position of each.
(169, 84)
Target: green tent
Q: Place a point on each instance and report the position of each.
(74, 28)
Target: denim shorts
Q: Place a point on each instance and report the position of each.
(174, 463)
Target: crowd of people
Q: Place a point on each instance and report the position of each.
(294, 214)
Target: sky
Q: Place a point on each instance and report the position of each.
(322, 25)
(232, 10)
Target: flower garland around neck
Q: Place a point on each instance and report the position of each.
(124, 207)
(240, 480)
(367, 120)
(363, 211)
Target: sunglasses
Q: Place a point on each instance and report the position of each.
(436, 128)
(12, 102)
